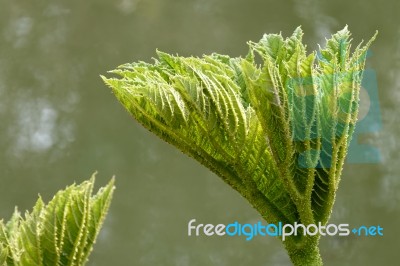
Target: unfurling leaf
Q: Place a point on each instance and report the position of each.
(62, 232)
(277, 132)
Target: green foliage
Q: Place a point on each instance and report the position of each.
(277, 132)
(60, 233)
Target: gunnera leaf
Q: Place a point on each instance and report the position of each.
(61, 232)
(277, 132)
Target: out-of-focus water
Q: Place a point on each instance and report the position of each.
(59, 123)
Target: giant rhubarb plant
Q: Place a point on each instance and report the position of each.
(276, 130)
(61, 232)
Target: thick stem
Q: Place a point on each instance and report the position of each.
(304, 255)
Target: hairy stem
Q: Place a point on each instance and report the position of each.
(305, 252)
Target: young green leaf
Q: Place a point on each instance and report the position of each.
(277, 132)
(60, 233)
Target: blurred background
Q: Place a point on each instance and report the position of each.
(59, 123)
